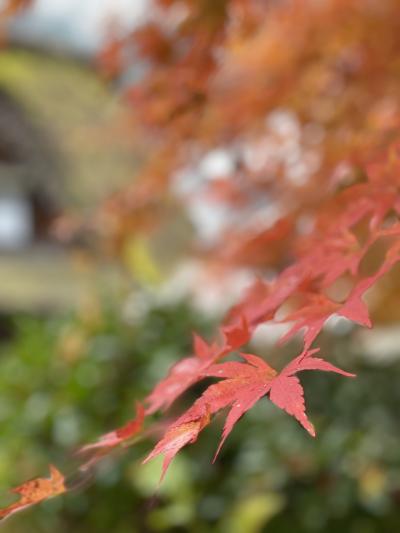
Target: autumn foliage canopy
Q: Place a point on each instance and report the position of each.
(304, 96)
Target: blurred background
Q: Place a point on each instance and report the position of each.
(85, 332)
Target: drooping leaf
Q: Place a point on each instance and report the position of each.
(242, 385)
(182, 376)
(176, 438)
(286, 391)
(236, 335)
(119, 435)
(191, 369)
(310, 317)
(107, 442)
(35, 491)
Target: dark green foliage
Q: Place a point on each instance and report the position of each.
(66, 380)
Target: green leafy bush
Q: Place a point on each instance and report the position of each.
(65, 380)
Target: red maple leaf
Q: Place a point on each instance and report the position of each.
(191, 369)
(182, 375)
(243, 384)
(311, 317)
(252, 305)
(286, 391)
(318, 308)
(355, 308)
(176, 438)
(107, 442)
(330, 254)
(119, 435)
(236, 335)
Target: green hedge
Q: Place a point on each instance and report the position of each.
(66, 380)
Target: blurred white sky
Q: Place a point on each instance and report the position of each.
(77, 24)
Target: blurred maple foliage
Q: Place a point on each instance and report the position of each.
(304, 97)
(11, 6)
(300, 94)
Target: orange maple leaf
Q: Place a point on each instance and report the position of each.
(35, 491)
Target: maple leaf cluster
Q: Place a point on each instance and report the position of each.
(214, 78)
(301, 95)
(337, 75)
(333, 252)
